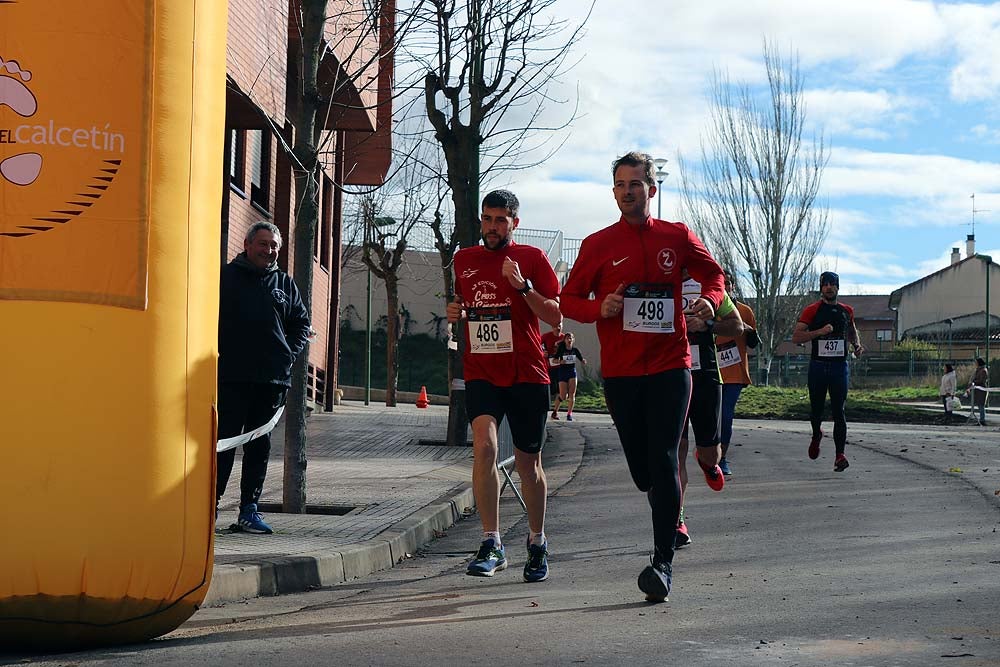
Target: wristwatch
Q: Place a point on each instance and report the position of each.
(709, 325)
(527, 287)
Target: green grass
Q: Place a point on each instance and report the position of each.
(793, 403)
(926, 393)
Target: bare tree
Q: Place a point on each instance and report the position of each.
(753, 202)
(384, 246)
(486, 70)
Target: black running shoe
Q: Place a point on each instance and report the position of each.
(537, 566)
(656, 578)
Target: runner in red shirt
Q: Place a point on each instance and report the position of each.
(829, 326)
(633, 269)
(549, 342)
(502, 289)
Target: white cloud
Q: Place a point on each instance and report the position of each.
(856, 112)
(984, 134)
(853, 172)
(975, 31)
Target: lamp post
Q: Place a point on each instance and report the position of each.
(763, 369)
(989, 262)
(949, 322)
(661, 174)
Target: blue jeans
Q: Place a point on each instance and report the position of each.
(829, 377)
(730, 395)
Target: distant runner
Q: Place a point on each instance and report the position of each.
(706, 394)
(735, 367)
(830, 327)
(567, 355)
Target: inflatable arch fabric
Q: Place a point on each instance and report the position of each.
(111, 141)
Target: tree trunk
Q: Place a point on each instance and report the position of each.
(392, 339)
(303, 116)
(465, 196)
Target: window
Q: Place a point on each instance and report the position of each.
(883, 335)
(237, 159)
(324, 235)
(259, 147)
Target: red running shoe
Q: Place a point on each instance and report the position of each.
(814, 446)
(840, 463)
(681, 539)
(713, 476)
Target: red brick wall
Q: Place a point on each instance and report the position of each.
(257, 52)
(243, 214)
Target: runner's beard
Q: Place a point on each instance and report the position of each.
(501, 244)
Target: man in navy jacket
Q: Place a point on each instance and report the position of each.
(263, 327)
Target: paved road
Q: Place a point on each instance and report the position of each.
(894, 562)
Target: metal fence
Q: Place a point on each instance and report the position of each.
(505, 459)
(900, 369)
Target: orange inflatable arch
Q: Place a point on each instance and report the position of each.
(111, 139)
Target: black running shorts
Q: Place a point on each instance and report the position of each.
(525, 405)
(705, 411)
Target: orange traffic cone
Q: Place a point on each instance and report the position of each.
(422, 398)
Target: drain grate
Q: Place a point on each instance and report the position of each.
(328, 510)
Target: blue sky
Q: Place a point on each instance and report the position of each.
(907, 93)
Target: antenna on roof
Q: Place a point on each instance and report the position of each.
(974, 211)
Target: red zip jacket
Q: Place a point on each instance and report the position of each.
(651, 254)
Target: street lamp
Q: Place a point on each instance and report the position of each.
(763, 365)
(989, 261)
(661, 174)
(949, 322)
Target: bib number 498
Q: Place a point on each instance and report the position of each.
(651, 309)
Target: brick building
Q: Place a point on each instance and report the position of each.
(356, 82)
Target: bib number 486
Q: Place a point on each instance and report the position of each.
(488, 333)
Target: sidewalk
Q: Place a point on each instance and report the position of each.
(390, 492)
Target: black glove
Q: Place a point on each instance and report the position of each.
(753, 340)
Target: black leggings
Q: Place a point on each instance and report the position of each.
(829, 377)
(705, 412)
(648, 412)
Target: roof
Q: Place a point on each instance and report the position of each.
(971, 327)
(897, 293)
(869, 306)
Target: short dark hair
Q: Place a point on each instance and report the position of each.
(502, 199)
(980, 361)
(636, 159)
(948, 368)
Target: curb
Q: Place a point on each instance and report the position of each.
(295, 574)
(281, 575)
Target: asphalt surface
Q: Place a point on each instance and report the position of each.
(895, 561)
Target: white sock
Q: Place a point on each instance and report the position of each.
(494, 535)
(538, 539)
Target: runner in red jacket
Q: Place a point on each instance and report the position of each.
(633, 269)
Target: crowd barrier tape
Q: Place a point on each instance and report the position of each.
(231, 443)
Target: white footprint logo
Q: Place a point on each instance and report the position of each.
(21, 169)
